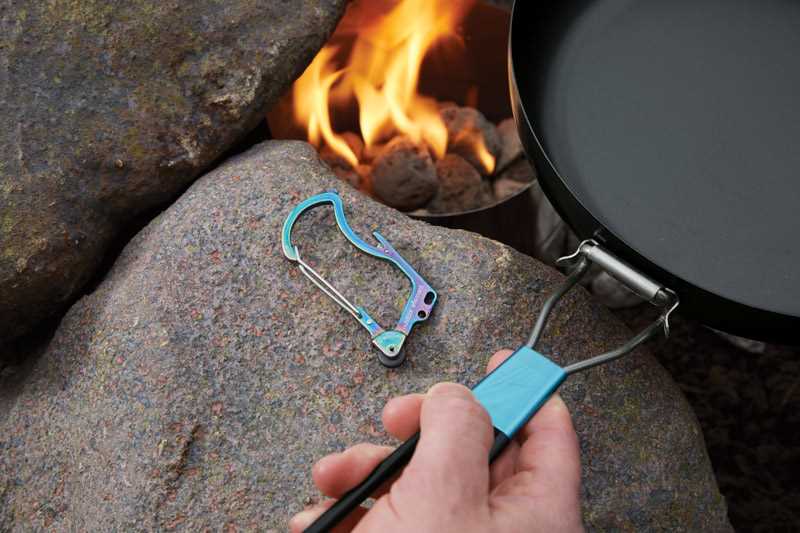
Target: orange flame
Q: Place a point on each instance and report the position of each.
(312, 108)
(476, 142)
(382, 75)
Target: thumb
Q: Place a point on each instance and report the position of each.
(450, 464)
(545, 491)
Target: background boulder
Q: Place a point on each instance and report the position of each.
(108, 108)
(196, 386)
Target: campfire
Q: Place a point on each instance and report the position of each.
(361, 103)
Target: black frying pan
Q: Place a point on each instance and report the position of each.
(669, 130)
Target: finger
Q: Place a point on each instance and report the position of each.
(497, 359)
(551, 423)
(504, 466)
(337, 473)
(548, 465)
(449, 465)
(303, 519)
(401, 415)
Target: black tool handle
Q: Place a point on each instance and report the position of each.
(387, 469)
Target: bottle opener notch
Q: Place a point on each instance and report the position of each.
(417, 308)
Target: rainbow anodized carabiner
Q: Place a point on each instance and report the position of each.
(418, 307)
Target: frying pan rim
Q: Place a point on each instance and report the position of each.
(614, 241)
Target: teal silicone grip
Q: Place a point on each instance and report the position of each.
(516, 389)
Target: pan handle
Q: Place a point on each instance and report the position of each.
(511, 394)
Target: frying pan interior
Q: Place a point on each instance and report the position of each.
(670, 129)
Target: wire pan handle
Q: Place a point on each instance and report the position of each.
(588, 252)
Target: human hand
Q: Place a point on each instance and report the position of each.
(448, 485)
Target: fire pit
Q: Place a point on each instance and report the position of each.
(408, 103)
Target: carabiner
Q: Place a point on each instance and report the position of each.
(417, 308)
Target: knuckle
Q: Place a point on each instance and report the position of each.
(462, 407)
(366, 450)
(361, 447)
(477, 411)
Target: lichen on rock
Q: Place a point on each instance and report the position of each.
(112, 107)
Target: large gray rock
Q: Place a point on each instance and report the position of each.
(196, 386)
(108, 108)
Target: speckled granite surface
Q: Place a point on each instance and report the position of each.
(196, 386)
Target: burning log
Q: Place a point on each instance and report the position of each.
(461, 187)
(404, 175)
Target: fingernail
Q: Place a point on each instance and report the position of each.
(449, 389)
(322, 464)
(391, 404)
(558, 402)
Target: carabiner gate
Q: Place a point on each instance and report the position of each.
(417, 308)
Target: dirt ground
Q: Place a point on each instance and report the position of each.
(749, 408)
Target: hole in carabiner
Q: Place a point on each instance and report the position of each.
(429, 299)
(422, 314)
